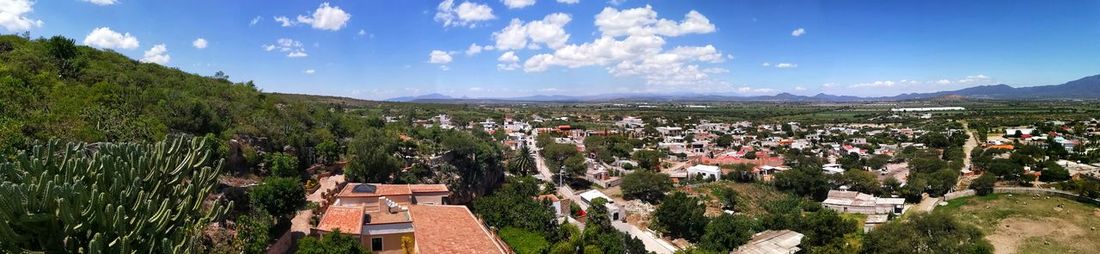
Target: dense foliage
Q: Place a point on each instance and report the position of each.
(646, 185)
(108, 198)
(926, 233)
(680, 216)
(334, 242)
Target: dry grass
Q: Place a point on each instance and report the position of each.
(1021, 223)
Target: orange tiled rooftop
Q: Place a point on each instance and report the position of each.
(347, 219)
(450, 229)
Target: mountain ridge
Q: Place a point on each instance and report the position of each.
(1086, 88)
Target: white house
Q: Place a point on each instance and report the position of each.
(707, 171)
(613, 210)
(832, 168)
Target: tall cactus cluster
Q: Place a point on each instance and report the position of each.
(108, 198)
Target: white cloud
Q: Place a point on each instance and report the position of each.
(13, 15)
(799, 88)
(105, 38)
(199, 43)
(616, 2)
(508, 61)
(798, 32)
(158, 54)
(569, 1)
(747, 89)
(516, 4)
(326, 17)
(466, 14)
(549, 31)
(255, 21)
(644, 21)
(284, 21)
(309, 71)
(444, 68)
(926, 85)
(785, 65)
(293, 48)
(102, 2)
(362, 32)
(766, 64)
(439, 57)
(474, 49)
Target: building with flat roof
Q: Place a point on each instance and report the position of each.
(856, 202)
(772, 242)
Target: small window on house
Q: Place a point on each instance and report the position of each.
(376, 244)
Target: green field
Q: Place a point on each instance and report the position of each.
(1019, 223)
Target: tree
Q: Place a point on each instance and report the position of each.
(726, 232)
(522, 163)
(371, 157)
(680, 216)
(648, 186)
(67, 198)
(254, 231)
(984, 184)
(1054, 173)
(648, 159)
(514, 206)
(725, 140)
(334, 242)
(727, 196)
(328, 151)
(283, 165)
(280, 196)
(524, 242)
(825, 226)
(926, 233)
(597, 215)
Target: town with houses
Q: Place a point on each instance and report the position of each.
(863, 171)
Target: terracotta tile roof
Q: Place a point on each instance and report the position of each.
(381, 190)
(349, 219)
(428, 188)
(450, 229)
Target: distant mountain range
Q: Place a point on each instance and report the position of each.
(1087, 88)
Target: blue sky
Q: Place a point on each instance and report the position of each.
(383, 49)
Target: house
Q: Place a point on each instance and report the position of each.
(613, 210)
(873, 221)
(772, 242)
(381, 215)
(707, 171)
(832, 168)
(560, 206)
(856, 202)
(1019, 130)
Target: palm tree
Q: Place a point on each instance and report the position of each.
(522, 163)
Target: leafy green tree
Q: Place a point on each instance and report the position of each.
(334, 242)
(513, 207)
(726, 232)
(1054, 172)
(725, 140)
(280, 196)
(254, 231)
(648, 159)
(984, 184)
(328, 151)
(926, 233)
(825, 226)
(648, 186)
(371, 157)
(680, 216)
(283, 165)
(727, 196)
(597, 215)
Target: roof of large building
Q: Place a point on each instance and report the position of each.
(450, 229)
(772, 242)
(379, 190)
(349, 219)
(853, 198)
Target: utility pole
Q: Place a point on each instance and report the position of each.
(561, 175)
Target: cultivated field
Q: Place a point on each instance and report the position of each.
(1018, 223)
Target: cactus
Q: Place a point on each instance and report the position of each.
(108, 198)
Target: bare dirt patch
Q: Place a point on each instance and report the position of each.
(1011, 232)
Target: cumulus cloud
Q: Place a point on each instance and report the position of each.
(102, 2)
(785, 65)
(293, 48)
(508, 61)
(255, 21)
(466, 14)
(516, 4)
(569, 1)
(439, 57)
(644, 21)
(284, 21)
(616, 2)
(549, 31)
(798, 32)
(326, 17)
(971, 80)
(199, 43)
(13, 15)
(309, 71)
(105, 38)
(641, 53)
(158, 54)
(474, 49)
